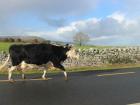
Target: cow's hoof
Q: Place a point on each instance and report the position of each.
(24, 78)
(11, 80)
(66, 78)
(44, 78)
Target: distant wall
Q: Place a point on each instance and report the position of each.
(94, 57)
(116, 55)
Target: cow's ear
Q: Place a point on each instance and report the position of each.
(68, 46)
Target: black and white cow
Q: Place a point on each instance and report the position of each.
(42, 55)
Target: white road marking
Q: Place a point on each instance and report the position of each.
(115, 74)
(134, 104)
(37, 79)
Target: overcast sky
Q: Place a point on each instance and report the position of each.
(107, 22)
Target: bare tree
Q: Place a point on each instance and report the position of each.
(81, 38)
(18, 40)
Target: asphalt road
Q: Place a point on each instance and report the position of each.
(118, 87)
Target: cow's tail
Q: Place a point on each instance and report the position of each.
(5, 63)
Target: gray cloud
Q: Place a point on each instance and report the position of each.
(113, 30)
(55, 22)
(45, 7)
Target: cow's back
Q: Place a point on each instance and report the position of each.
(37, 53)
(30, 53)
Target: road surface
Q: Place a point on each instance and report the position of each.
(117, 87)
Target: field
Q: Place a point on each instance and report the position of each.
(4, 46)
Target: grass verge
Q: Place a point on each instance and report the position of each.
(79, 69)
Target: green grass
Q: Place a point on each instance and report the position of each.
(4, 46)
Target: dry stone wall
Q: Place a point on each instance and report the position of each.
(116, 55)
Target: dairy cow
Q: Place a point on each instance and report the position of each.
(39, 55)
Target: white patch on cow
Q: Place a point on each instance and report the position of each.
(72, 54)
(25, 65)
(10, 72)
(44, 67)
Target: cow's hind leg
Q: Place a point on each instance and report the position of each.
(23, 66)
(44, 74)
(10, 72)
(22, 74)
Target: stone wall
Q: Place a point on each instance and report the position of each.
(116, 55)
(95, 57)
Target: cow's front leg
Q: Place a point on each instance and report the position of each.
(22, 73)
(61, 67)
(64, 71)
(65, 74)
(10, 72)
(44, 74)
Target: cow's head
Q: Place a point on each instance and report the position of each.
(71, 52)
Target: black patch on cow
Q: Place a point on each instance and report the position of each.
(38, 54)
